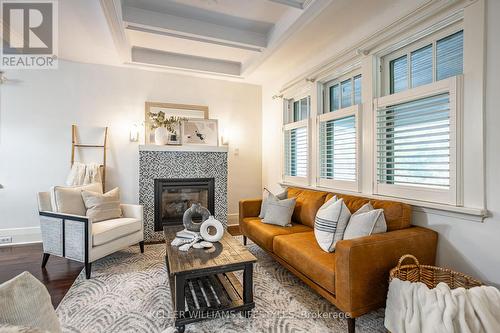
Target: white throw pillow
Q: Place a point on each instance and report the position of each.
(330, 223)
(102, 207)
(366, 221)
(279, 212)
(24, 301)
(267, 196)
(68, 199)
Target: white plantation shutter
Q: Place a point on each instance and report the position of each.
(413, 142)
(296, 140)
(338, 149)
(416, 142)
(296, 152)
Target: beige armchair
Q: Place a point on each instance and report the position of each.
(67, 232)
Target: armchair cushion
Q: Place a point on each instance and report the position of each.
(102, 207)
(109, 230)
(68, 199)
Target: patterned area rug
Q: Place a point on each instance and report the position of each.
(129, 292)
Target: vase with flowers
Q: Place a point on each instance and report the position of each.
(165, 128)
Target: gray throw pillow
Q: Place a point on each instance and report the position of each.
(267, 196)
(279, 212)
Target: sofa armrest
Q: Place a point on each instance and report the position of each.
(134, 211)
(363, 265)
(249, 208)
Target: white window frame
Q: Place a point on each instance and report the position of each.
(408, 49)
(330, 83)
(453, 195)
(354, 110)
(286, 126)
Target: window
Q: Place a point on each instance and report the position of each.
(296, 139)
(296, 152)
(297, 110)
(425, 63)
(343, 93)
(416, 140)
(338, 134)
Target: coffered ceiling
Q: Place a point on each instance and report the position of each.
(221, 37)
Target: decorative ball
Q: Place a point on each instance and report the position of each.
(187, 219)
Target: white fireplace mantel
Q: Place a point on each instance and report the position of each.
(200, 148)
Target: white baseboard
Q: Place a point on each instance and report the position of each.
(22, 235)
(233, 219)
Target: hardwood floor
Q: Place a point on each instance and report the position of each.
(58, 275)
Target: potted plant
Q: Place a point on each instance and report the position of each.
(165, 128)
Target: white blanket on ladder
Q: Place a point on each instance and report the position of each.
(414, 308)
(82, 174)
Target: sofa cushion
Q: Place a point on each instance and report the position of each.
(263, 234)
(308, 203)
(109, 230)
(397, 214)
(301, 251)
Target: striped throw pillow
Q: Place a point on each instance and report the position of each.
(330, 223)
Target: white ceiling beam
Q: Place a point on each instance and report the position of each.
(185, 62)
(292, 22)
(291, 3)
(113, 12)
(192, 28)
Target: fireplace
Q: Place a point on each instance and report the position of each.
(173, 196)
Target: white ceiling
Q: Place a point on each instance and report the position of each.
(251, 40)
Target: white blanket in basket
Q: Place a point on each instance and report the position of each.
(414, 308)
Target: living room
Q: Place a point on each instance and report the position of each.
(150, 149)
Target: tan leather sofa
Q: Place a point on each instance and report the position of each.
(354, 277)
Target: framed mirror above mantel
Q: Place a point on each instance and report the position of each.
(167, 111)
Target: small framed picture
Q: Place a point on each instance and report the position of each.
(203, 132)
(175, 137)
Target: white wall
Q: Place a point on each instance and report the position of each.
(38, 108)
(471, 247)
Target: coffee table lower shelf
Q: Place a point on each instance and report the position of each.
(209, 296)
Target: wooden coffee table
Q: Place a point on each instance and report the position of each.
(202, 284)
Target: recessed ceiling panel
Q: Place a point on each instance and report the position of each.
(168, 43)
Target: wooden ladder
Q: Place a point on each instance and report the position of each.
(75, 144)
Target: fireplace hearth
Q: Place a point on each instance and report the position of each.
(172, 197)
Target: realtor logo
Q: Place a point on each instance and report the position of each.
(29, 34)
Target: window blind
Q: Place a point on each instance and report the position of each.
(296, 152)
(399, 74)
(413, 143)
(338, 149)
(450, 56)
(421, 66)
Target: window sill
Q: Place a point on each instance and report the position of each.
(464, 213)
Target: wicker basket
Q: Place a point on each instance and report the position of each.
(431, 275)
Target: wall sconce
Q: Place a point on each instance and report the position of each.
(226, 135)
(134, 133)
